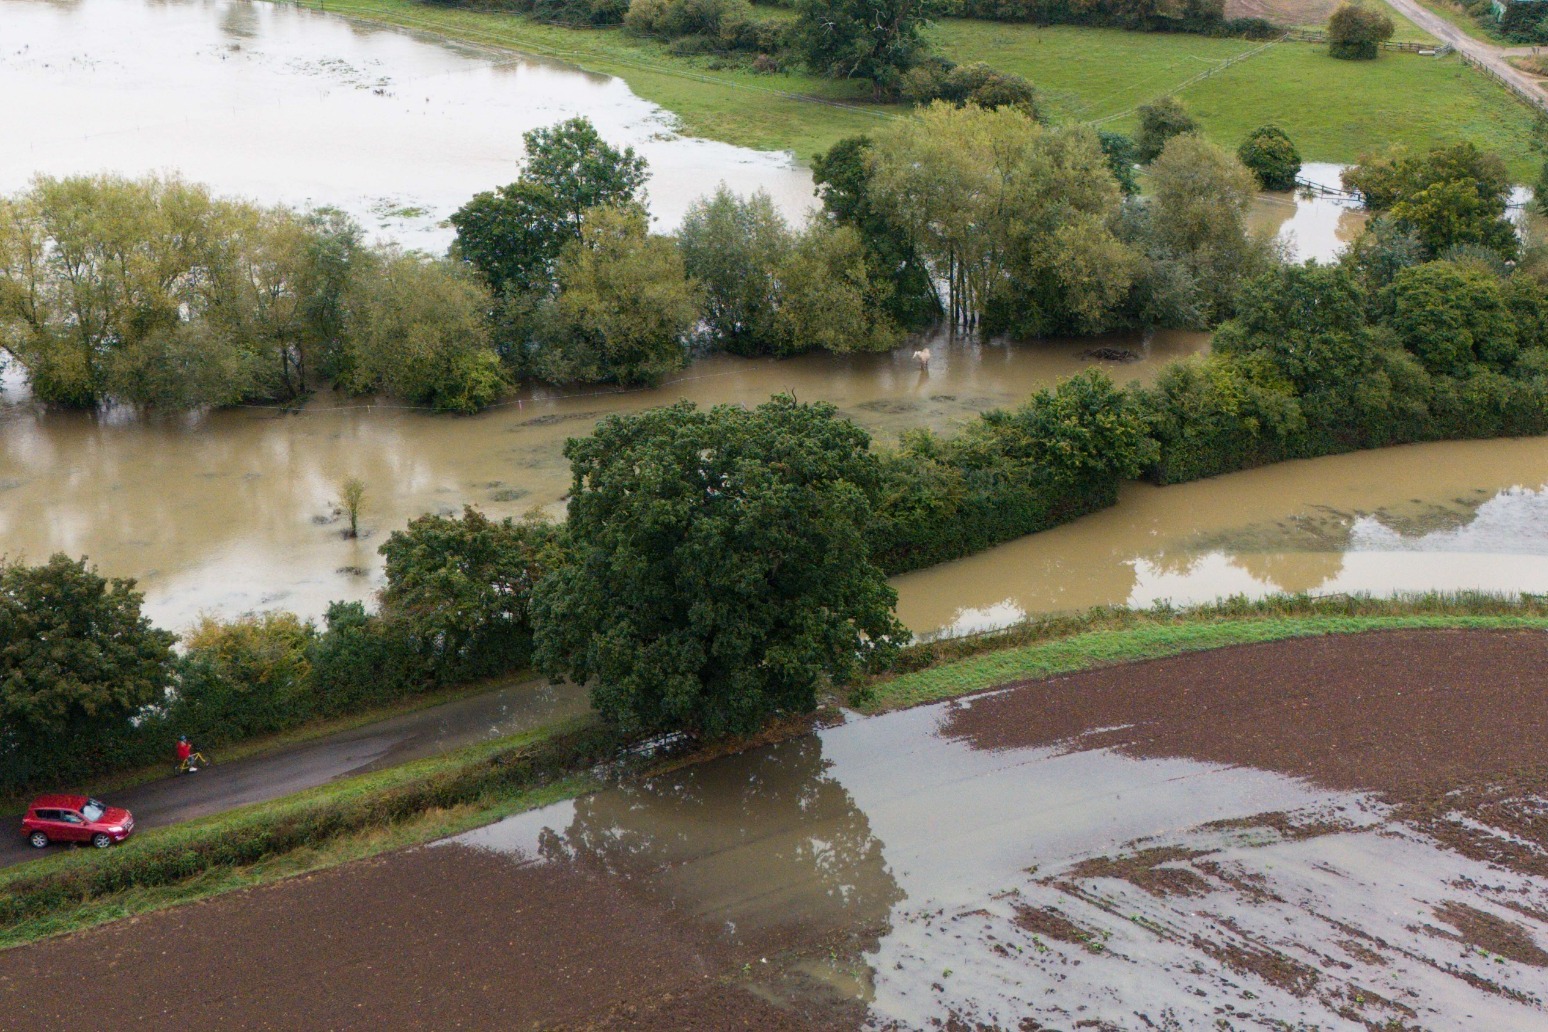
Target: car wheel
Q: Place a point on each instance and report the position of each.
(101, 841)
(38, 839)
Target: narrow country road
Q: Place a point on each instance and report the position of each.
(387, 743)
(1486, 54)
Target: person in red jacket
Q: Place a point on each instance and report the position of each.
(187, 757)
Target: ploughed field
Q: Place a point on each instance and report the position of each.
(1339, 832)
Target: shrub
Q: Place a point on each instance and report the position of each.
(244, 677)
(459, 591)
(359, 660)
(976, 83)
(1271, 157)
(1159, 122)
(1451, 316)
(1355, 32)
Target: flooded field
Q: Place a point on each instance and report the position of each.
(956, 863)
(233, 510)
(1233, 840)
(1454, 515)
(285, 104)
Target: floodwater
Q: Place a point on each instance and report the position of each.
(287, 105)
(234, 510)
(1453, 515)
(1309, 225)
(891, 863)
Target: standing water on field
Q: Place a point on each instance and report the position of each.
(928, 871)
(235, 510)
(287, 105)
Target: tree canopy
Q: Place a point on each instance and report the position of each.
(863, 39)
(624, 305)
(720, 569)
(1271, 157)
(514, 234)
(460, 590)
(1449, 196)
(1355, 32)
(1159, 122)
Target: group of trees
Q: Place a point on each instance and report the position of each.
(1034, 231)
(721, 567)
(152, 292)
(587, 292)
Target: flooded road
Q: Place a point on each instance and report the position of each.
(287, 105)
(233, 510)
(961, 863)
(1452, 516)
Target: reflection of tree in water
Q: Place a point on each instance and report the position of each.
(1305, 551)
(239, 21)
(761, 842)
(1291, 572)
(1418, 519)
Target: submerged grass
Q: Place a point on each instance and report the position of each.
(1333, 110)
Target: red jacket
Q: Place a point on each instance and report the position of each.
(184, 750)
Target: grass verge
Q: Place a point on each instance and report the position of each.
(1333, 110)
(1457, 16)
(1101, 637)
(317, 828)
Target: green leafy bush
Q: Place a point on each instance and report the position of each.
(1268, 154)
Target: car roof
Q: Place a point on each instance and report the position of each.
(74, 802)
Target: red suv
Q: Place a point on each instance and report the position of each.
(75, 818)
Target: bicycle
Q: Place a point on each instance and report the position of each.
(191, 765)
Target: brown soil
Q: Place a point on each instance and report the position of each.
(450, 937)
(1047, 921)
(1489, 933)
(1404, 713)
(1283, 12)
(399, 943)
(1145, 869)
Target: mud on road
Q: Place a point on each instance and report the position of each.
(1343, 832)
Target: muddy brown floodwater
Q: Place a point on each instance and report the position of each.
(233, 510)
(1342, 833)
(1455, 515)
(289, 105)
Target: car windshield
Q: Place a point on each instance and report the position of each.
(93, 810)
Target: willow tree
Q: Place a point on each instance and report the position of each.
(994, 202)
(154, 292)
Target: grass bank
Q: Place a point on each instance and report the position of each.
(1334, 110)
(318, 828)
(1048, 647)
(419, 802)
